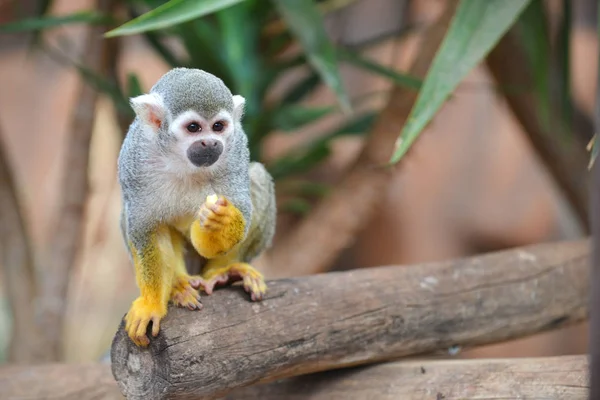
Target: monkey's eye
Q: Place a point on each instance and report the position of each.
(218, 126)
(193, 127)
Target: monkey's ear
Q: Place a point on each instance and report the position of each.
(150, 108)
(238, 107)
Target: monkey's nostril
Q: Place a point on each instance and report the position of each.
(215, 143)
(203, 143)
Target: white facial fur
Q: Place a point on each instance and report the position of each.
(152, 111)
(185, 138)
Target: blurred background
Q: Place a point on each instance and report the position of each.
(474, 181)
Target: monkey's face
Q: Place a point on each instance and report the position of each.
(200, 140)
(192, 117)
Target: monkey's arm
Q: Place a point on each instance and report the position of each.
(220, 226)
(234, 264)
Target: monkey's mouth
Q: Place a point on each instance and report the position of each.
(205, 152)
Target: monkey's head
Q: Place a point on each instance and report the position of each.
(192, 116)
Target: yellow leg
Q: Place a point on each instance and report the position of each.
(154, 276)
(225, 270)
(218, 229)
(182, 292)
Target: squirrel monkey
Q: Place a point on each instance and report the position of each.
(186, 177)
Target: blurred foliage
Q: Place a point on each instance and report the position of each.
(251, 44)
(475, 29)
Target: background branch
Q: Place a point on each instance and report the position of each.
(594, 326)
(63, 247)
(342, 319)
(58, 382)
(314, 245)
(564, 157)
(17, 261)
(547, 378)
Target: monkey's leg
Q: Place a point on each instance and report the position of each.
(150, 253)
(182, 292)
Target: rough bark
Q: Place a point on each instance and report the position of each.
(314, 245)
(16, 258)
(563, 156)
(341, 319)
(522, 378)
(63, 247)
(58, 382)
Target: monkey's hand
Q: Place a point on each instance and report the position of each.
(140, 314)
(215, 275)
(219, 227)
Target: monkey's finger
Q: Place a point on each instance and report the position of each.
(222, 201)
(127, 322)
(211, 222)
(142, 327)
(133, 327)
(155, 325)
(196, 283)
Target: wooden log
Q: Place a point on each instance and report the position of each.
(342, 319)
(546, 378)
(58, 382)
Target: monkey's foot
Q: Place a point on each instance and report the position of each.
(253, 281)
(184, 295)
(219, 227)
(141, 313)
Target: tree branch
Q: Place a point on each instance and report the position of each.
(68, 224)
(342, 319)
(17, 260)
(546, 377)
(594, 326)
(565, 158)
(58, 382)
(332, 225)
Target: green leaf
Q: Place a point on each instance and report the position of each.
(134, 87)
(240, 32)
(37, 24)
(593, 148)
(306, 23)
(563, 56)
(153, 39)
(293, 117)
(301, 89)
(305, 188)
(535, 38)
(297, 163)
(307, 157)
(296, 206)
(169, 14)
(396, 77)
(474, 31)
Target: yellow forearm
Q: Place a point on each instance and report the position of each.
(220, 231)
(152, 267)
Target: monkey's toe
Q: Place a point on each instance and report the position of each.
(183, 293)
(252, 280)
